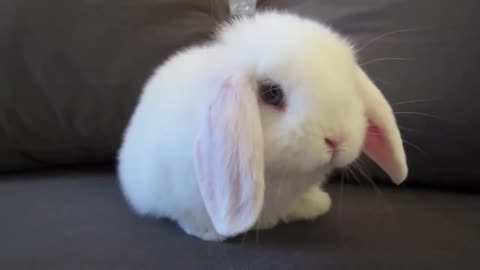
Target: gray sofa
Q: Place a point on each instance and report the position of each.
(70, 74)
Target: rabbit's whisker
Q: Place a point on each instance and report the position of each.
(380, 37)
(340, 199)
(414, 146)
(421, 114)
(416, 101)
(354, 176)
(409, 129)
(383, 60)
(358, 166)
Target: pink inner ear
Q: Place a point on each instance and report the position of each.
(376, 143)
(379, 148)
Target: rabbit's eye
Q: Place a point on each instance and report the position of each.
(272, 94)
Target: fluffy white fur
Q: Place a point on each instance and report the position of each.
(326, 94)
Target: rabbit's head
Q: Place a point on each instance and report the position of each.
(293, 100)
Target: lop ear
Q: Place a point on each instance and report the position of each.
(383, 143)
(229, 158)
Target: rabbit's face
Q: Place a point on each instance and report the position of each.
(312, 114)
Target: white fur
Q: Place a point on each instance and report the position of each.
(317, 70)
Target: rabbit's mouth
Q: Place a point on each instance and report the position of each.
(341, 158)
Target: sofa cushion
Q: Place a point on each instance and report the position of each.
(71, 71)
(79, 220)
(423, 55)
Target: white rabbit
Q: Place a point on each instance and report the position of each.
(241, 132)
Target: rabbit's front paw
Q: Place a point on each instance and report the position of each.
(310, 205)
(265, 224)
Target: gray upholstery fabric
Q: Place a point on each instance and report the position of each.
(79, 220)
(71, 71)
(423, 55)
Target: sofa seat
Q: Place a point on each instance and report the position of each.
(78, 219)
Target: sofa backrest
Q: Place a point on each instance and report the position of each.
(71, 71)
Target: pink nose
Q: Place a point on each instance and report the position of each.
(332, 143)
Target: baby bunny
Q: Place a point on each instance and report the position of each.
(241, 132)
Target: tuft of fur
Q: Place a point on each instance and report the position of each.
(318, 72)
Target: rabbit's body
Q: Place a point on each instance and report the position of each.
(203, 150)
(170, 189)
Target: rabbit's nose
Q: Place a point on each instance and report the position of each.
(332, 143)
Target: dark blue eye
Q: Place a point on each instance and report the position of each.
(272, 94)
